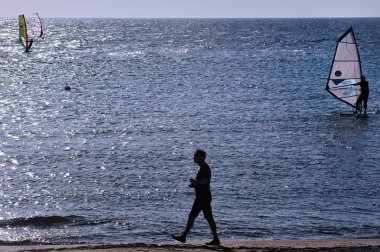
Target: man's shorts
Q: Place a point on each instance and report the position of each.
(201, 205)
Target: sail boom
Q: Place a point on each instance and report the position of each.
(348, 96)
(347, 61)
(345, 84)
(342, 87)
(347, 42)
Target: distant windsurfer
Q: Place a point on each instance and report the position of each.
(30, 43)
(202, 201)
(361, 102)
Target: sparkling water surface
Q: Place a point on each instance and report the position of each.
(109, 161)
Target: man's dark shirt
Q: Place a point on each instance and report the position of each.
(203, 192)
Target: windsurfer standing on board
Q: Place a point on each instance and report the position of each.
(362, 100)
(29, 46)
(202, 201)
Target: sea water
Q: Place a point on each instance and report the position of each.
(110, 160)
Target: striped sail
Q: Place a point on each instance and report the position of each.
(23, 32)
(346, 70)
(37, 25)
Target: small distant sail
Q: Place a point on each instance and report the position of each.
(23, 32)
(346, 70)
(37, 25)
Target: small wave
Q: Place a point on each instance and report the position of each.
(40, 221)
(320, 40)
(18, 243)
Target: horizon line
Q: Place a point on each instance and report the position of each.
(316, 17)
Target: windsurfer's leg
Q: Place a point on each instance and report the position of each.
(359, 102)
(358, 106)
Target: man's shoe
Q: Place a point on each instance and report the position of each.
(215, 241)
(179, 238)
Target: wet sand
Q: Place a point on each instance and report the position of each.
(354, 245)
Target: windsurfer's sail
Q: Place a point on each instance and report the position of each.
(23, 32)
(37, 25)
(346, 70)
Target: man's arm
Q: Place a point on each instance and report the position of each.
(203, 181)
(205, 178)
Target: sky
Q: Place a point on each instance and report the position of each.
(191, 8)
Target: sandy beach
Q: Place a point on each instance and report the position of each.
(346, 245)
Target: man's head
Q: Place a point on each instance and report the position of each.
(199, 156)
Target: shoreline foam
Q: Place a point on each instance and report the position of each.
(347, 245)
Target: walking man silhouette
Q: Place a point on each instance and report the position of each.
(202, 202)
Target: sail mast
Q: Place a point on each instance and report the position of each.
(345, 72)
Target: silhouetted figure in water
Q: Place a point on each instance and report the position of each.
(362, 100)
(203, 198)
(67, 88)
(29, 46)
